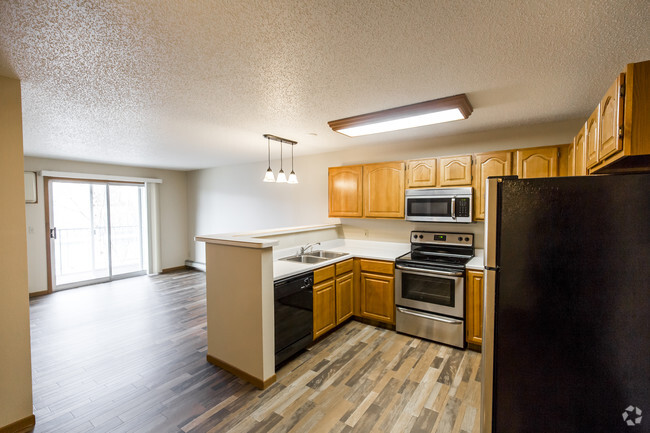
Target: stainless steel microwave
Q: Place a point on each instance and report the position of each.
(447, 205)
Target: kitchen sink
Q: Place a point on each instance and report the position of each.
(327, 254)
(305, 259)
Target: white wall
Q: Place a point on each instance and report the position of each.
(173, 212)
(230, 199)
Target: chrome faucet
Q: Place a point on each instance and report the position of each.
(304, 249)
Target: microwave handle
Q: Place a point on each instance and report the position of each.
(453, 207)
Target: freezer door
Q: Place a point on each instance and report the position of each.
(487, 360)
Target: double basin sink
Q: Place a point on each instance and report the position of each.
(315, 257)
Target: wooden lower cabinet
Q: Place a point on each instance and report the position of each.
(324, 307)
(474, 307)
(377, 297)
(344, 297)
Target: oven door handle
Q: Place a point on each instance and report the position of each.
(429, 271)
(429, 316)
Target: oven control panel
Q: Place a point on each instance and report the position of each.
(438, 238)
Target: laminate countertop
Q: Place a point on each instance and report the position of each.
(374, 250)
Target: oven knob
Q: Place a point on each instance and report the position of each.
(466, 239)
(460, 239)
(421, 236)
(415, 236)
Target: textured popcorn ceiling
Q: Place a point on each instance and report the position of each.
(192, 84)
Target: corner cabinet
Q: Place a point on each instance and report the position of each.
(383, 190)
(421, 173)
(345, 187)
(377, 290)
(366, 191)
(474, 307)
(576, 155)
(488, 164)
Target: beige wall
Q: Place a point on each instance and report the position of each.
(173, 212)
(229, 199)
(15, 356)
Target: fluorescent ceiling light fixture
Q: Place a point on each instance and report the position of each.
(409, 116)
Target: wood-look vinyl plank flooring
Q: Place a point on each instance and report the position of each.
(130, 356)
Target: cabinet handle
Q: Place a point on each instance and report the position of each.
(620, 132)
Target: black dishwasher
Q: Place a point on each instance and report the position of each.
(294, 315)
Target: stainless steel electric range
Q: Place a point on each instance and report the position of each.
(430, 286)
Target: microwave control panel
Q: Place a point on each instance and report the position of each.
(462, 207)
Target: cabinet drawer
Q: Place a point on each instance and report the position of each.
(323, 274)
(343, 267)
(377, 266)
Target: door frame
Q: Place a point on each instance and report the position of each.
(47, 192)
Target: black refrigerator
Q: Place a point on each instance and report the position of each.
(566, 323)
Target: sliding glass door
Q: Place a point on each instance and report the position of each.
(97, 232)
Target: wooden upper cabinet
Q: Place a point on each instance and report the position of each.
(488, 164)
(592, 138)
(421, 173)
(538, 162)
(345, 185)
(571, 159)
(383, 190)
(455, 170)
(579, 167)
(611, 120)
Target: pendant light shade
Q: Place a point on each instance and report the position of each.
(282, 177)
(269, 176)
(292, 176)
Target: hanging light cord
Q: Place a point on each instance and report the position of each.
(269, 146)
(281, 155)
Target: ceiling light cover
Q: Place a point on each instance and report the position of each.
(409, 116)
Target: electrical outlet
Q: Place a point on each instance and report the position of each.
(30, 230)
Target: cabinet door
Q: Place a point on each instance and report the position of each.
(455, 170)
(611, 120)
(421, 173)
(538, 162)
(488, 164)
(324, 308)
(344, 293)
(377, 297)
(591, 138)
(345, 187)
(580, 165)
(383, 190)
(474, 307)
(571, 158)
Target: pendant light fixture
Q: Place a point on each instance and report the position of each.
(292, 176)
(269, 176)
(448, 109)
(282, 177)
